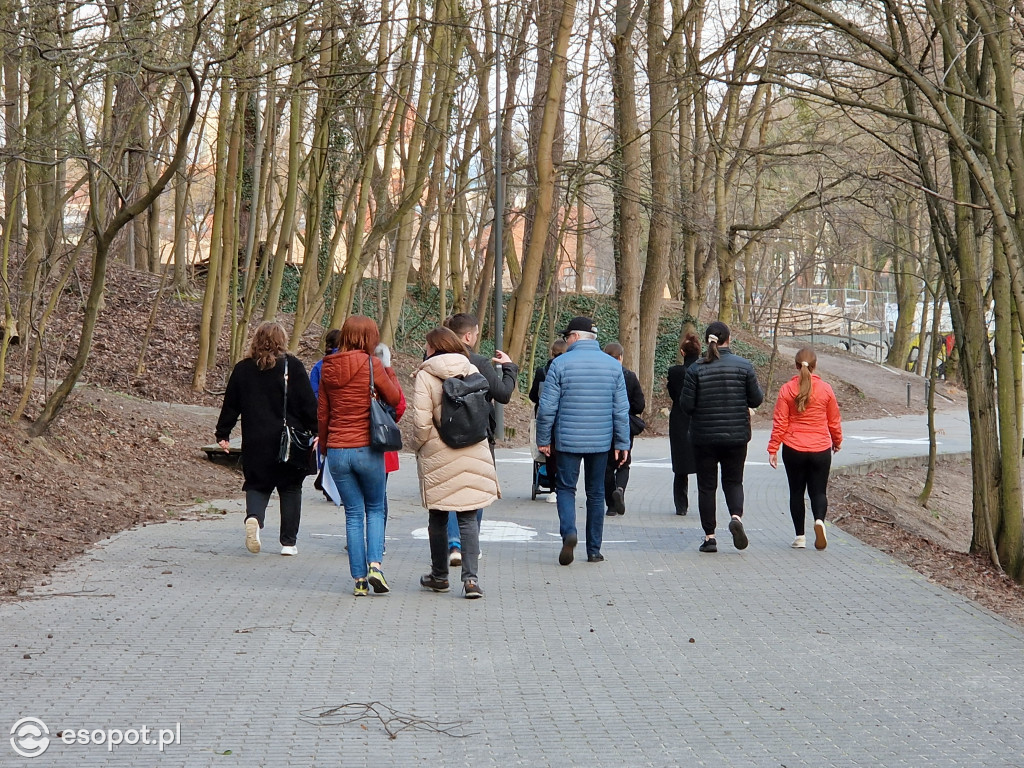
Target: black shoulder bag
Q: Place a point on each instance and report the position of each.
(296, 449)
(384, 434)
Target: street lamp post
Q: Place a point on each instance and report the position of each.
(499, 216)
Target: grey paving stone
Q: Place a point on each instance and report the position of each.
(798, 658)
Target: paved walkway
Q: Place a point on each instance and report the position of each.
(660, 656)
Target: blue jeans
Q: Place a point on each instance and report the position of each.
(454, 537)
(565, 493)
(360, 477)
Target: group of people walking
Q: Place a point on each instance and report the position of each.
(270, 390)
(713, 400)
(588, 410)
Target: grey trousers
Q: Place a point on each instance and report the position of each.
(469, 532)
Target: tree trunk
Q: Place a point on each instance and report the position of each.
(291, 200)
(628, 170)
(416, 167)
(41, 128)
(907, 283)
(659, 238)
(582, 159)
(13, 169)
(521, 308)
(104, 237)
(207, 341)
(227, 280)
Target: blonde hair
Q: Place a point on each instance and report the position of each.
(268, 344)
(806, 361)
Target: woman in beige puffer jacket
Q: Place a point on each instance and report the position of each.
(460, 480)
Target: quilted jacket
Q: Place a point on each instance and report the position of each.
(584, 408)
(451, 479)
(717, 395)
(343, 405)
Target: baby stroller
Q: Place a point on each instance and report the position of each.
(541, 482)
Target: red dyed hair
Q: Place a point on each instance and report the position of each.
(359, 332)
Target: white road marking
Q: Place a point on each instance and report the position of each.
(883, 440)
(493, 530)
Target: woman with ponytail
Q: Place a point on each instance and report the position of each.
(683, 462)
(808, 427)
(718, 392)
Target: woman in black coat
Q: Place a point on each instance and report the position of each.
(679, 425)
(256, 392)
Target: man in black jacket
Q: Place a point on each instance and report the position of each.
(501, 381)
(616, 476)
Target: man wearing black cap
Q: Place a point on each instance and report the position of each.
(584, 413)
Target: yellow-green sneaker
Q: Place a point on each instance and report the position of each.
(362, 588)
(376, 578)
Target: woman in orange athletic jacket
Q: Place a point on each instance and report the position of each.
(807, 425)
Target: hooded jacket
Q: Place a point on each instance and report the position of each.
(343, 406)
(451, 479)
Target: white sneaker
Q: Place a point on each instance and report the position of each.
(289, 550)
(552, 498)
(820, 542)
(455, 558)
(252, 535)
(800, 542)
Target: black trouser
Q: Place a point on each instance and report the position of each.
(615, 475)
(291, 509)
(551, 468)
(731, 458)
(806, 472)
(469, 535)
(680, 492)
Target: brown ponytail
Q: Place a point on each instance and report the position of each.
(806, 361)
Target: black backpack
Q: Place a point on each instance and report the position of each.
(465, 412)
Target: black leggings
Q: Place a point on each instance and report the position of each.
(806, 472)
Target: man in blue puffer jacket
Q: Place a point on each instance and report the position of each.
(584, 413)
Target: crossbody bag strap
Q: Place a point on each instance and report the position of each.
(373, 392)
(285, 411)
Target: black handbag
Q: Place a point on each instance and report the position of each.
(636, 425)
(384, 434)
(296, 446)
